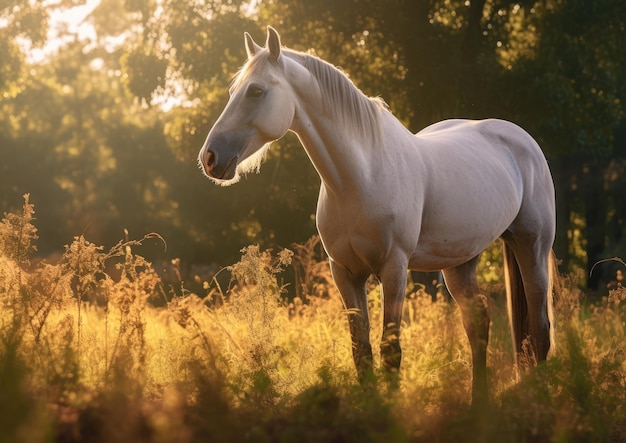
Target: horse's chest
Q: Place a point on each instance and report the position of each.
(356, 235)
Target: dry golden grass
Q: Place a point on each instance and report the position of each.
(85, 356)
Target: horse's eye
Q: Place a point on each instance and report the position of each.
(254, 91)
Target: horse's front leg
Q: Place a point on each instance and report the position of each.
(393, 279)
(353, 292)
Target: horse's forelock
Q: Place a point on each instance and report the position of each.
(258, 62)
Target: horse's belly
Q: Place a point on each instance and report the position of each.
(434, 256)
(454, 234)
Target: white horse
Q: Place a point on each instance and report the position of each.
(391, 200)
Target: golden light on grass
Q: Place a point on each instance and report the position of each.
(86, 355)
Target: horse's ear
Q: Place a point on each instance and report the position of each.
(251, 47)
(273, 43)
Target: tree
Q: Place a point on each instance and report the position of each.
(94, 158)
(20, 20)
(108, 130)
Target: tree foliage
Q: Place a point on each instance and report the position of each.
(104, 132)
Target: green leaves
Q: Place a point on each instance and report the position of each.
(145, 72)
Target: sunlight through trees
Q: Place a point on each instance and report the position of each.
(104, 130)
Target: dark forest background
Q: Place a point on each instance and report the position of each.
(104, 129)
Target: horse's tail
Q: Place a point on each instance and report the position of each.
(516, 299)
(517, 305)
(554, 292)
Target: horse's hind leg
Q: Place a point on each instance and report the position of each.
(529, 240)
(529, 297)
(463, 286)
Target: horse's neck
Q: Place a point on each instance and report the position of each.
(339, 159)
(345, 162)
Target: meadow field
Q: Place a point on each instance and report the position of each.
(98, 348)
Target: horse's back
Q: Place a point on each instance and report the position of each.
(445, 125)
(499, 132)
(490, 140)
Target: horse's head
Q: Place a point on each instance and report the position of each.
(260, 110)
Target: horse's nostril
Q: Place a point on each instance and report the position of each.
(209, 160)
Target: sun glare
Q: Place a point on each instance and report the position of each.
(65, 25)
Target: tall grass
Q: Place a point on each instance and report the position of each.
(86, 356)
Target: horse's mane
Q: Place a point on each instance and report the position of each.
(341, 97)
(353, 109)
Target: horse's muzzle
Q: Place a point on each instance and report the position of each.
(221, 152)
(218, 167)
